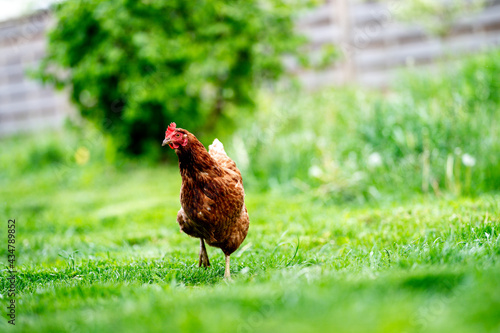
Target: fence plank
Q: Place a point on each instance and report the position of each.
(379, 47)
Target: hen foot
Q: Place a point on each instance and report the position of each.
(203, 255)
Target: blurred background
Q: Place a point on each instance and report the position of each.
(348, 100)
(367, 133)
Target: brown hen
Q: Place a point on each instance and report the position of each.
(212, 194)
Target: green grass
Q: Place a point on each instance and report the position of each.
(434, 132)
(98, 250)
(369, 213)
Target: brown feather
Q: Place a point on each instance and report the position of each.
(212, 195)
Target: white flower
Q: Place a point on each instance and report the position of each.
(468, 160)
(315, 171)
(374, 160)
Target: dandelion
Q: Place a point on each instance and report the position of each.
(82, 155)
(315, 171)
(374, 160)
(468, 160)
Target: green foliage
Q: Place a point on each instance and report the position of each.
(134, 66)
(433, 133)
(98, 250)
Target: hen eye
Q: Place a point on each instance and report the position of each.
(177, 135)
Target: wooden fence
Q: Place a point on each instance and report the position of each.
(25, 105)
(374, 45)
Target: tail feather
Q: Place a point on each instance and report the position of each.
(216, 148)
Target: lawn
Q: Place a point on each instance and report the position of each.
(98, 250)
(369, 212)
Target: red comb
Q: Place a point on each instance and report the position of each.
(170, 129)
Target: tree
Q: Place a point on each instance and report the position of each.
(134, 66)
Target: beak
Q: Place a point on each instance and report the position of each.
(166, 142)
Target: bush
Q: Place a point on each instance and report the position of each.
(433, 133)
(134, 66)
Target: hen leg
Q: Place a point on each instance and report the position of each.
(227, 273)
(203, 255)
